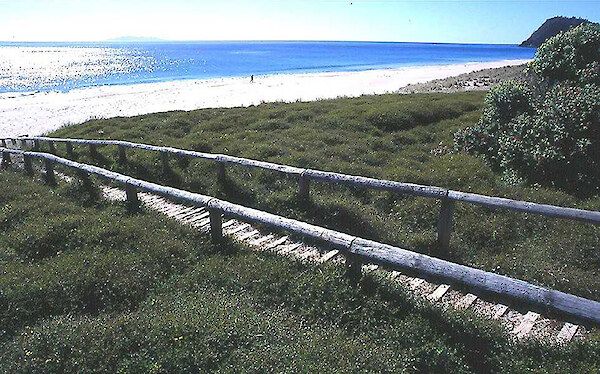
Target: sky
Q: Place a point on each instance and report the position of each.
(506, 21)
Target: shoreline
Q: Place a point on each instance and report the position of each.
(36, 113)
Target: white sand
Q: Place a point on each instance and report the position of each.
(41, 112)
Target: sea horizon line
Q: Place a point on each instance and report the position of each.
(158, 41)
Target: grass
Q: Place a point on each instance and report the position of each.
(137, 292)
(399, 137)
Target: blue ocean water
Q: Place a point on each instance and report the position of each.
(65, 66)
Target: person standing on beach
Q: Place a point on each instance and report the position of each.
(252, 79)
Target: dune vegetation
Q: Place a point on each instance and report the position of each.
(407, 138)
(87, 286)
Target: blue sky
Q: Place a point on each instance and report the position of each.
(416, 21)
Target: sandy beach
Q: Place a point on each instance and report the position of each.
(41, 112)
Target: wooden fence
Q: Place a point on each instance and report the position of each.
(356, 249)
(448, 197)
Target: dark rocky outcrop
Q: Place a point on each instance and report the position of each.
(550, 28)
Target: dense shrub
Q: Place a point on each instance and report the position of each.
(572, 55)
(548, 133)
(504, 103)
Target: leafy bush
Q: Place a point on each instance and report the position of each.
(548, 133)
(504, 103)
(571, 55)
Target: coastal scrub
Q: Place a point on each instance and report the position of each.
(547, 132)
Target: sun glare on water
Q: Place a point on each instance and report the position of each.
(35, 67)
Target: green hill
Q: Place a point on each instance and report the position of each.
(551, 27)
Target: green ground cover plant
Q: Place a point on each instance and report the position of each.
(406, 138)
(138, 293)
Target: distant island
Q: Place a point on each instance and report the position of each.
(551, 27)
(135, 39)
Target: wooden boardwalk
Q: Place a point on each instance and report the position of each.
(521, 324)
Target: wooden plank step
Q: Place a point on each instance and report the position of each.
(202, 223)
(262, 240)
(276, 243)
(438, 293)
(228, 223)
(248, 235)
(526, 325)
(149, 198)
(118, 196)
(289, 248)
(466, 301)
(171, 210)
(182, 211)
(198, 217)
(499, 311)
(178, 209)
(166, 208)
(184, 216)
(192, 213)
(567, 332)
(235, 230)
(194, 221)
(329, 255)
(159, 206)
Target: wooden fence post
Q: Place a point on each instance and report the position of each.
(27, 165)
(353, 268)
(85, 179)
(50, 177)
(132, 197)
(14, 141)
(164, 157)
(52, 147)
(93, 151)
(5, 159)
(3, 143)
(36, 145)
(122, 155)
(23, 144)
(216, 225)
(69, 147)
(303, 187)
(220, 172)
(444, 230)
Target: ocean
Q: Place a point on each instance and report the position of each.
(26, 67)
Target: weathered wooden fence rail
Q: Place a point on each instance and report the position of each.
(447, 196)
(356, 249)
